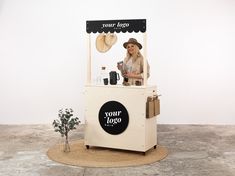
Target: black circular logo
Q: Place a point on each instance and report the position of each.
(113, 117)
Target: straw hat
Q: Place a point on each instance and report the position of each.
(105, 41)
(133, 41)
(110, 39)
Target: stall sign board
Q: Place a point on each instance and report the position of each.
(135, 25)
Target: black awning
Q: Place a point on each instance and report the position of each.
(136, 25)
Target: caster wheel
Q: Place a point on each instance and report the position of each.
(155, 147)
(87, 146)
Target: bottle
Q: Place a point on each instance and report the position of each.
(103, 74)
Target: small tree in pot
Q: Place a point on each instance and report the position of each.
(64, 124)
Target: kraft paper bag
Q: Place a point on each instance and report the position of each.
(156, 106)
(150, 107)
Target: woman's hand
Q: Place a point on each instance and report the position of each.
(128, 75)
(132, 75)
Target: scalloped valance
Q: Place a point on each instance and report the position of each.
(135, 25)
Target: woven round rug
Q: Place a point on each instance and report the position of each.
(103, 157)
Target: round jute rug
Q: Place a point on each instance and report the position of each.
(103, 157)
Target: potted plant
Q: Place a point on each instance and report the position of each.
(64, 124)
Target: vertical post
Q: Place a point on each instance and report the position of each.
(145, 58)
(88, 82)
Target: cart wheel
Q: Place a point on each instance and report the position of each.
(87, 146)
(155, 147)
(144, 153)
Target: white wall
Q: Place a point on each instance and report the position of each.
(191, 49)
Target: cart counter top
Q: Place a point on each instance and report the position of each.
(122, 86)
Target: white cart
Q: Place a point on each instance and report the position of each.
(113, 116)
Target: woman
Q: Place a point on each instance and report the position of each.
(133, 64)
